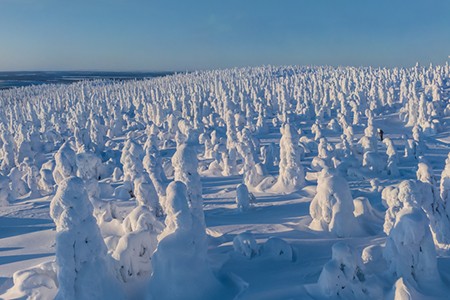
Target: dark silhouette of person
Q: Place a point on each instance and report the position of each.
(381, 132)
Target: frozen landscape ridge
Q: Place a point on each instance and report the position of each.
(249, 183)
(22, 79)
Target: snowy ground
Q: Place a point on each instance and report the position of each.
(27, 235)
(28, 232)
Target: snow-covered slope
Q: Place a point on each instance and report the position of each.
(253, 183)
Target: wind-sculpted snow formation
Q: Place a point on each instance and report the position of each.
(153, 184)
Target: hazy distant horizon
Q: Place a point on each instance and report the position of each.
(218, 68)
(12, 79)
(22, 78)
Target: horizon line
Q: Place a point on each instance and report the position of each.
(190, 70)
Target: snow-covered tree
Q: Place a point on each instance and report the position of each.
(323, 160)
(185, 164)
(7, 151)
(5, 191)
(32, 178)
(291, 175)
(46, 182)
(131, 160)
(83, 271)
(332, 207)
(181, 249)
(445, 185)
(229, 162)
(146, 194)
(410, 250)
(135, 248)
(344, 277)
(19, 187)
(65, 163)
(153, 165)
(432, 204)
(392, 162)
(243, 197)
(315, 129)
(269, 156)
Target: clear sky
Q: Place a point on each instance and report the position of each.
(126, 35)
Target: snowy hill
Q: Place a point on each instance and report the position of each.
(252, 183)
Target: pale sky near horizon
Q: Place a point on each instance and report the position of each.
(138, 35)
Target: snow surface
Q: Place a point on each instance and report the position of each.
(252, 183)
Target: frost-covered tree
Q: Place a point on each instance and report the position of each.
(7, 151)
(65, 163)
(390, 199)
(89, 168)
(392, 162)
(146, 194)
(291, 175)
(323, 160)
(229, 162)
(409, 249)
(98, 132)
(5, 191)
(315, 129)
(418, 140)
(402, 289)
(445, 185)
(373, 161)
(413, 109)
(135, 248)
(243, 197)
(249, 169)
(19, 187)
(332, 207)
(432, 204)
(185, 164)
(268, 154)
(32, 178)
(117, 174)
(181, 249)
(411, 151)
(46, 182)
(348, 133)
(83, 271)
(24, 151)
(344, 276)
(232, 139)
(205, 140)
(82, 139)
(397, 197)
(131, 160)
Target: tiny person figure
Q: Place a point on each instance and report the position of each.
(380, 132)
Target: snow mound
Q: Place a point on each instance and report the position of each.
(246, 245)
(38, 283)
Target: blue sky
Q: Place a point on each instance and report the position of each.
(185, 35)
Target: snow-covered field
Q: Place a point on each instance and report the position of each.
(254, 183)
